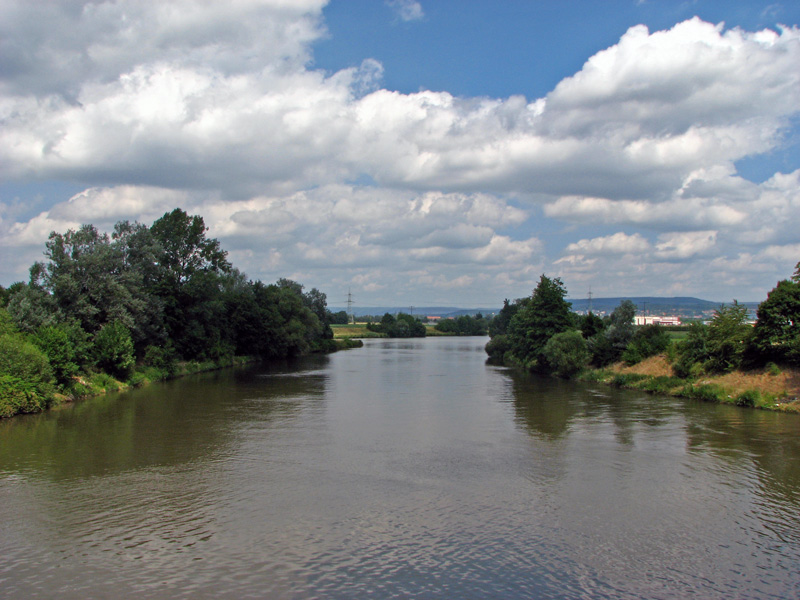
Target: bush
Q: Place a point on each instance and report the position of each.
(773, 369)
(622, 380)
(602, 350)
(646, 342)
(728, 338)
(104, 382)
(566, 353)
(6, 323)
(138, 380)
(693, 352)
(114, 349)
(707, 393)
(29, 383)
(19, 396)
(749, 398)
(162, 359)
(55, 342)
(662, 385)
(497, 347)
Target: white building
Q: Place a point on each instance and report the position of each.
(654, 320)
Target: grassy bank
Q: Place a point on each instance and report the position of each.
(770, 388)
(87, 385)
(359, 330)
(353, 330)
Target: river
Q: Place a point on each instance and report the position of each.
(403, 469)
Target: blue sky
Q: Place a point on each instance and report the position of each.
(417, 152)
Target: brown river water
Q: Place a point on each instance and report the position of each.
(404, 469)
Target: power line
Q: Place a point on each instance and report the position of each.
(350, 306)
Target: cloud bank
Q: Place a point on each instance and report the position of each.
(339, 182)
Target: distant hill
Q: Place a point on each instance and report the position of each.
(647, 304)
(425, 311)
(678, 306)
(654, 305)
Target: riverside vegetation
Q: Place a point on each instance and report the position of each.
(145, 303)
(726, 361)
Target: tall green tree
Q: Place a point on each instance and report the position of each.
(184, 249)
(547, 314)
(776, 336)
(728, 336)
(608, 345)
(189, 283)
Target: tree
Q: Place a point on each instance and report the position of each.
(88, 278)
(403, 326)
(590, 325)
(728, 334)
(546, 314)
(463, 325)
(607, 347)
(776, 336)
(693, 351)
(31, 307)
(184, 249)
(499, 325)
(339, 318)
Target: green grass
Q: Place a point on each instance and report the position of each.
(354, 330)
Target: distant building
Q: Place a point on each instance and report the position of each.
(654, 320)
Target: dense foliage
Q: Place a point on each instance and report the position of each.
(464, 325)
(401, 326)
(545, 315)
(147, 296)
(540, 334)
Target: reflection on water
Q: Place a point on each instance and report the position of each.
(407, 468)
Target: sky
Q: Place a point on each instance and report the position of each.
(431, 152)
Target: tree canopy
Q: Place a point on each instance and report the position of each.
(545, 315)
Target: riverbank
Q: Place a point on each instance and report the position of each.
(769, 388)
(96, 384)
(360, 331)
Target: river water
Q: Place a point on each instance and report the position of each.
(404, 469)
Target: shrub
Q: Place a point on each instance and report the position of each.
(497, 347)
(6, 323)
(693, 352)
(595, 375)
(773, 369)
(137, 380)
(162, 359)
(28, 383)
(728, 337)
(114, 349)
(626, 379)
(104, 382)
(707, 393)
(749, 398)
(646, 342)
(602, 350)
(566, 353)
(55, 342)
(662, 385)
(20, 396)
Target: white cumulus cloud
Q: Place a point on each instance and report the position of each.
(219, 109)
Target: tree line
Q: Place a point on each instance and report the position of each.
(138, 302)
(541, 334)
